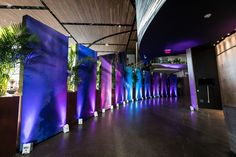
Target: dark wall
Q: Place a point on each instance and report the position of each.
(205, 71)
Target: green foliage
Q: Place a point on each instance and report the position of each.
(99, 73)
(14, 48)
(73, 68)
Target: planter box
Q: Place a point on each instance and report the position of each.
(71, 117)
(98, 101)
(9, 107)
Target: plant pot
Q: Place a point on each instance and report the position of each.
(71, 117)
(9, 108)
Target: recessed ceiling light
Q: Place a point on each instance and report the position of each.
(8, 5)
(214, 44)
(19, 9)
(119, 26)
(207, 16)
(218, 41)
(106, 44)
(222, 38)
(228, 34)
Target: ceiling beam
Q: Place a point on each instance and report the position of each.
(104, 44)
(45, 5)
(23, 7)
(130, 34)
(96, 24)
(108, 36)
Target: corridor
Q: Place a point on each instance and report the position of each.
(148, 128)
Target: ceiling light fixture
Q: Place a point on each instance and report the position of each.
(119, 26)
(106, 44)
(207, 16)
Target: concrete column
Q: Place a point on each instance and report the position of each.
(226, 62)
(192, 85)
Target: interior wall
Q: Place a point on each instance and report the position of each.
(86, 96)
(45, 84)
(106, 81)
(226, 61)
(205, 67)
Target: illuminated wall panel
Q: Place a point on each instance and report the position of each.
(173, 85)
(106, 81)
(156, 84)
(120, 95)
(44, 85)
(129, 83)
(147, 83)
(138, 85)
(86, 96)
(164, 90)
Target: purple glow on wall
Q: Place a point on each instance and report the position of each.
(106, 81)
(191, 77)
(45, 85)
(156, 84)
(173, 85)
(164, 91)
(138, 85)
(119, 96)
(86, 95)
(129, 83)
(147, 83)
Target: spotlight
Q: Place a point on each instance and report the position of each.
(95, 114)
(80, 121)
(191, 108)
(66, 128)
(27, 148)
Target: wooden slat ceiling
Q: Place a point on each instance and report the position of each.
(87, 34)
(86, 20)
(9, 16)
(21, 2)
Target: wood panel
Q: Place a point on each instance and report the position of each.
(88, 34)
(21, 2)
(92, 11)
(10, 16)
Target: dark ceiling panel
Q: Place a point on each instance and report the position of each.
(180, 25)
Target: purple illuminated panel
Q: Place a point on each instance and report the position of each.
(164, 91)
(106, 81)
(156, 84)
(45, 85)
(173, 85)
(120, 95)
(138, 85)
(147, 83)
(86, 95)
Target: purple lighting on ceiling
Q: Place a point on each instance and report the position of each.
(174, 66)
(183, 45)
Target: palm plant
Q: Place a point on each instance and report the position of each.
(14, 48)
(73, 68)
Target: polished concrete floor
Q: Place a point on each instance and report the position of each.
(149, 128)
